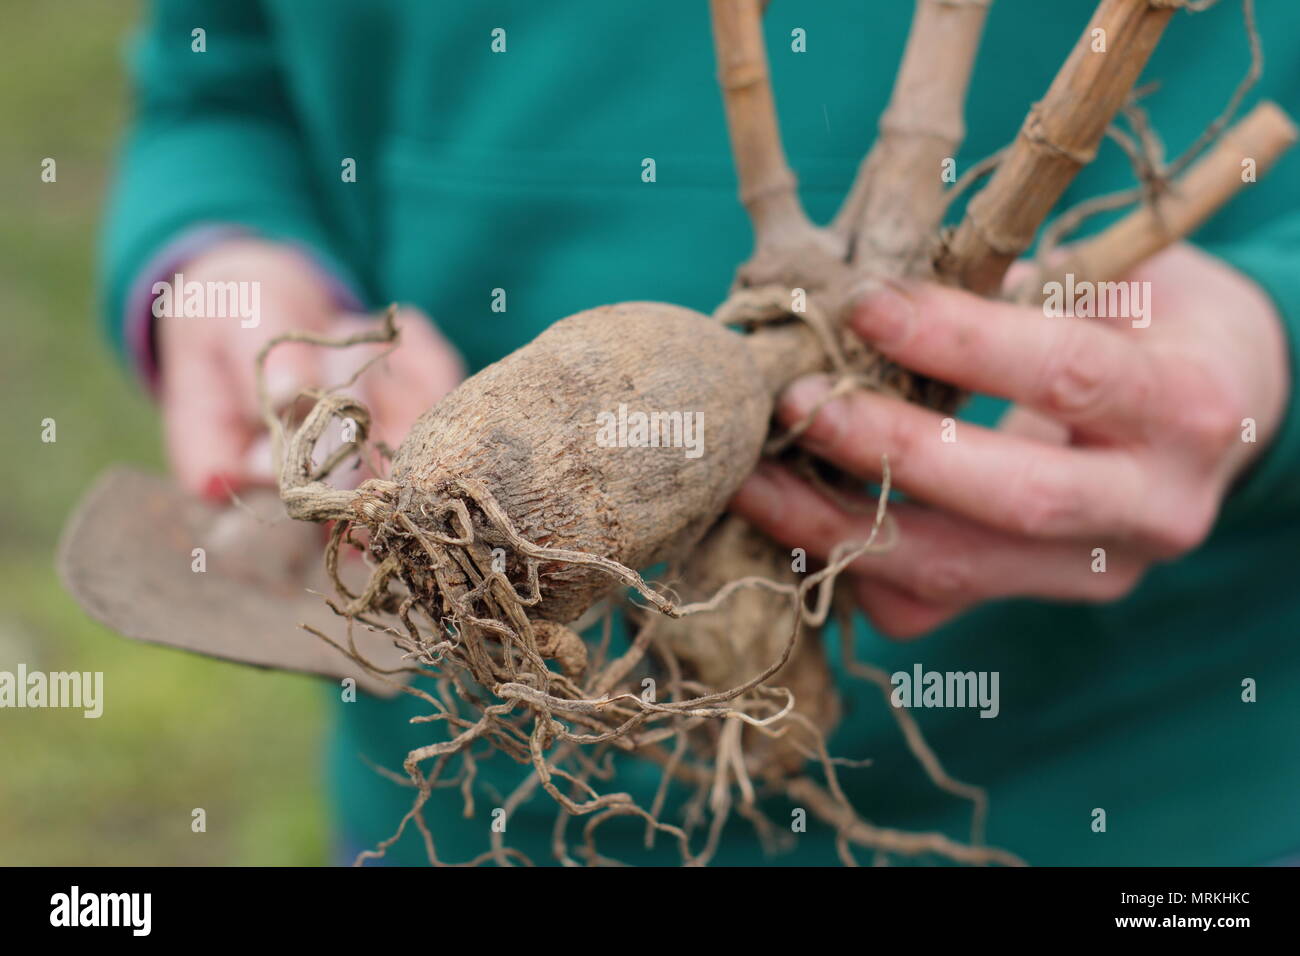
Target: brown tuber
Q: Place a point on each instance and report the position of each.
(526, 429)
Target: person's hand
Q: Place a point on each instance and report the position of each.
(215, 437)
(1121, 438)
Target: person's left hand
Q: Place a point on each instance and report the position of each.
(1125, 439)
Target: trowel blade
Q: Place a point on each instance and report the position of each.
(127, 555)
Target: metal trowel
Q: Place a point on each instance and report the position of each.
(128, 556)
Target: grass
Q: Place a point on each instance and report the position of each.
(178, 732)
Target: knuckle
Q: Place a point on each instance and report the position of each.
(1206, 414)
(1042, 502)
(1182, 530)
(944, 580)
(901, 439)
(824, 530)
(1211, 423)
(1077, 379)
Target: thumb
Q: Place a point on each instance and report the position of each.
(290, 368)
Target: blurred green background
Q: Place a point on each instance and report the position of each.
(178, 732)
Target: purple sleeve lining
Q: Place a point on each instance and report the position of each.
(138, 331)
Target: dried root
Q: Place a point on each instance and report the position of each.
(454, 584)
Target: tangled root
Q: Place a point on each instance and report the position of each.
(452, 582)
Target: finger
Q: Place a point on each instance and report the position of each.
(895, 613)
(937, 559)
(1033, 425)
(290, 369)
(414, 378)
(1021, 271)
(1072, 369)
(432, 360)
(1001, 480)
(1025, 275)
(946, 561)
(205, 429)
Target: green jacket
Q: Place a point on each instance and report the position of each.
(522, 171)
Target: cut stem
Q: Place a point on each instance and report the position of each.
(1058, 138)
(897, 200)
(1262, 137)
(767, 184)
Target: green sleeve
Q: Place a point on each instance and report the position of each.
(1271, 256)
(214, 140)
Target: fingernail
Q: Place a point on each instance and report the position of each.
(884, 313)
(218, 487)
(801, 399)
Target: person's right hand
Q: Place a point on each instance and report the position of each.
(215, 437)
